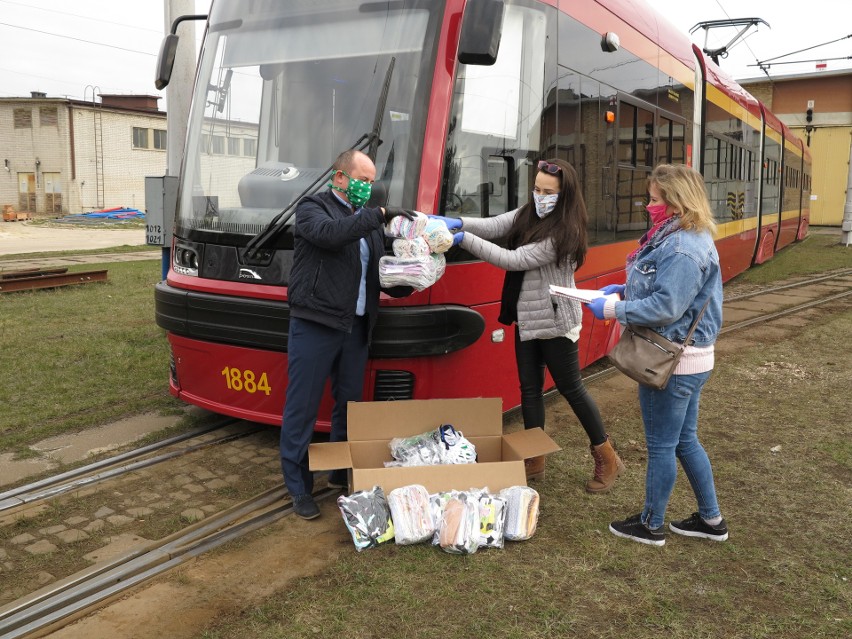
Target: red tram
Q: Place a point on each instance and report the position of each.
(456, 101)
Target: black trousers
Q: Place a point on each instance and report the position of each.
(561, 357)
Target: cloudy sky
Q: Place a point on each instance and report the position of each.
(110, 46)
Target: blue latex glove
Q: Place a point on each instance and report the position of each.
(614, 288)
(458, 237)
(452, 223)
(596, 306)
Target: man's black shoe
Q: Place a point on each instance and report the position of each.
(305, 507)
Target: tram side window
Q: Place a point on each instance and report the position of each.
(636, 136)
(664, 141)
(496, 130)
(714, 176)
(670, 142)
(635, 133)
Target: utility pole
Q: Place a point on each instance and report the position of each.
(179, 91)
(846, 226)
(178, 98)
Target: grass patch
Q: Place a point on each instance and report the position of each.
(775, 423)
(783, 574)
(81, 356)
(817, 253)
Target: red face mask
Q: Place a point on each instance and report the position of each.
(657, 212)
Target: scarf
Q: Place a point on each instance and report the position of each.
(661, 229)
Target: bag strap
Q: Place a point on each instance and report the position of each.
(695, 323)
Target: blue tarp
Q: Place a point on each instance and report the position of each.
(117, 214)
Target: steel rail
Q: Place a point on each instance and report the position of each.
(75, 479)
(610, 370)
(783, 287)
(32, 272)
(51, 281)
(787, 311)
(59, 604)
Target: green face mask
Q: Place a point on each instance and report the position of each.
(357, 192)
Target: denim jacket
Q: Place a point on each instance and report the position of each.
(668, 284)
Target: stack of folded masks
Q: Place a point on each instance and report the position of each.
(458, 530)
(401, 226)
(492, 520)
(521, 512)
(418, 259)
(417, 272)
(412, 514)
(368, 517)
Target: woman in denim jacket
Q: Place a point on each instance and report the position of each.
(670, 276)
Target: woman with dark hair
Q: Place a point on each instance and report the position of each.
(546, 242)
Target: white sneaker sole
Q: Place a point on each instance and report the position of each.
(649, 542)
(698, 535)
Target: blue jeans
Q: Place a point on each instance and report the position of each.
(671, 432)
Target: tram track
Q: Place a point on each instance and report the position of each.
(105, 515)
(67, 599)
(61, 603)
(71, 597)
(604, 371)
(115, 466)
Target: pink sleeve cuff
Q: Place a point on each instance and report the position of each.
(609, 308)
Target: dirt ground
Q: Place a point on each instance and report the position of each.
(181, 604)
(25, 237)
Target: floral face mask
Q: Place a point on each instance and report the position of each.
(357, 191)
(544, 204)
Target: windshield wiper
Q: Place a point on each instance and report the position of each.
(369, 141)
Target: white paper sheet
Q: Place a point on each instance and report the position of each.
(584, 295)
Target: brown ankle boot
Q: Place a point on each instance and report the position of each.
(534, 467)
(608, 466)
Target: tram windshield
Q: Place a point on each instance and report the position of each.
(283, 88)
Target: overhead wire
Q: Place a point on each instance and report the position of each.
(51, 34)
(816, 46)
(78, 15)
(58, 35)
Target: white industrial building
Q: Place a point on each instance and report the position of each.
(70, 156)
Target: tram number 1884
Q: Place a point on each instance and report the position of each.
(245, 380)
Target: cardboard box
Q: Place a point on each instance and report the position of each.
(371, 426)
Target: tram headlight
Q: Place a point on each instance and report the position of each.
(185, 259)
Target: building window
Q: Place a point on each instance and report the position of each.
(218, 145)
(23, 118)
(249, 147)
(140, 138)
(233, 146)
(159, 139)
(47, 116)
